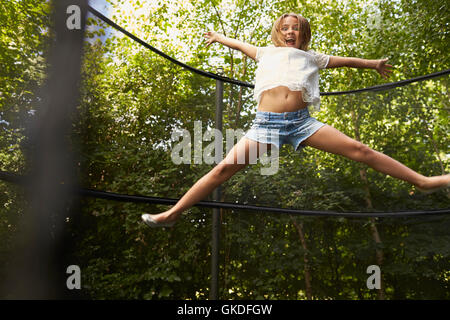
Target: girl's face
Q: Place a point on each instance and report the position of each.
(290, 32)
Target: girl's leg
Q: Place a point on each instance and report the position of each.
(237, 158)
(332, 140)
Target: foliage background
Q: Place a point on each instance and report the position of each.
(132, 100)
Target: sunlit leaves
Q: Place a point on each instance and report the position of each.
(132, 100)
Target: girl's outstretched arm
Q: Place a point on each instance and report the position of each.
(380, 66)
(245, 48)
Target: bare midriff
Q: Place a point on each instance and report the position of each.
(281, 99)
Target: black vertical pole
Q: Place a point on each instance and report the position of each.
(214, 293)
(37, 269)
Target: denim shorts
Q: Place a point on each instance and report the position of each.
(283, 128)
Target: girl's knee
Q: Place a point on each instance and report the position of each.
(360, 152)
(226, 170)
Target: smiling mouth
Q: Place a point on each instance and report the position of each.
(290, 42)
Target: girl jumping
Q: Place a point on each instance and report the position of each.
(286, 83)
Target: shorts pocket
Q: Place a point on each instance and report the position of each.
(260, 121)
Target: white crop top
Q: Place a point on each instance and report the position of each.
(294, 68)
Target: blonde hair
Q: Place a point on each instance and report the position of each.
(303, 27)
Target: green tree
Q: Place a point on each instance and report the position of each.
(23, 43)
(132, 100)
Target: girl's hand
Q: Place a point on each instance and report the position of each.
(383, 68)
(211, 37)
